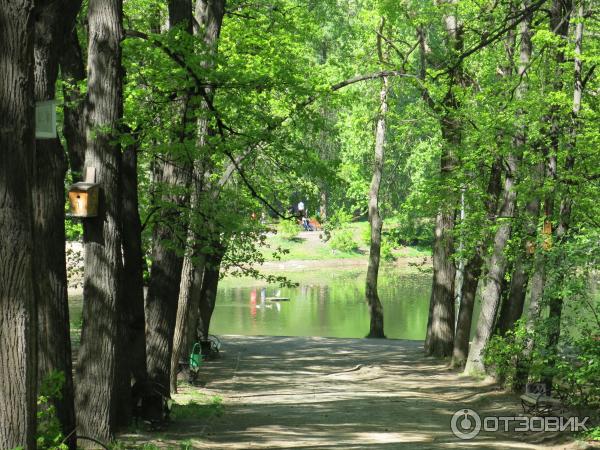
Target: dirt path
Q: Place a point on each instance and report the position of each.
(320, 393)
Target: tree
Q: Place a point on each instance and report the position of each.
(73, 75)
(97, 371)
(375, 221)
(208, 293)
(18, 357)
(48, 189)
(440, 325)
(557, 300)
(497, 265)
(472, 272)
(171, 174)
(209, 18)
(133, 254)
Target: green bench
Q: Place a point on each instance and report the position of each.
(535, 401)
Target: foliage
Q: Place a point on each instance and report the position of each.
(504, 352)
(412, 231)
(49, 434)
(387, 243)
(387, 249)
(288, 229)
(73, 230)
(343, 240)
(578, 372)
(197, 410)
(593, 434)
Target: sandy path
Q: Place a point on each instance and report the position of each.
(320, 393)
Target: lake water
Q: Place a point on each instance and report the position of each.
(327, 302)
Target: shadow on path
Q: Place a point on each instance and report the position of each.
(321, 393)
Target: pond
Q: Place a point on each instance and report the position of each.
(328, 302)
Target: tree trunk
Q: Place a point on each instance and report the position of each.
(189, 300)
(102, 290)
(556, 302)
(167, 262)
(472, 273)
(323, 204)
(133, 361)
(440, 323)
(18, 358)
(375, 307)
(439, 340)
(209, 17)
(493, 287)
(163, 291)
(208, 294)
(490, 301)
(73, 73)
(465, 313)
(513, 303)
(559, 24)
(48, 189)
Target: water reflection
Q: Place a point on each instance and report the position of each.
(327, 304)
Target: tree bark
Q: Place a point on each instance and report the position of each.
(73, 73)
(48, 189)
(167, 262)
(375, 307)
(512, 305)
(208, 294)
(209, 17)
(472, 273)
(97, 370)
(189, 300)
(493, 287)
(440, 324)
(18, 358)
(132, 361)
(163, 291)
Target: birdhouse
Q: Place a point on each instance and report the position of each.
(547, 233)
(83, 197)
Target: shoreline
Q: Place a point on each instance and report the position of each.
(306, 265)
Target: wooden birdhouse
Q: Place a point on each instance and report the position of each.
(84, 199)
(547, 233)
(84, 196)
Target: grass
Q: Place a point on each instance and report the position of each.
(190, 406)
(593, 434)
(194, 410)
(299, 249)
(314, 248)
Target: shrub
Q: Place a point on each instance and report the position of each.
(502, 352)
(288, 229)
(49, 434)
(387, 245)
(73, 230)
(343, 241)
(576, 373)
(413, 231)
(387, 250)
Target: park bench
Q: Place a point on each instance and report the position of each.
(537, 402)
